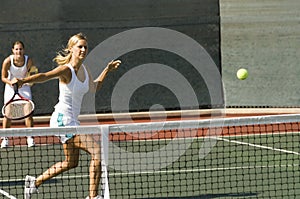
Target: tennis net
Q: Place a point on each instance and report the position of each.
(255, 156)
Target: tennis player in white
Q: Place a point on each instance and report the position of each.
(16, 66)
(74, 81)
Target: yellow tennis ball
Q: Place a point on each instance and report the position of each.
(242, 74)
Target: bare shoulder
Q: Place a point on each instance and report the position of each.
(29, 62)
(61, 70)
(63, 67)
(6, 62)
(64, 73)
(30, 59)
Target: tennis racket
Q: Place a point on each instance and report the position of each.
(18, 107)
(32, 71)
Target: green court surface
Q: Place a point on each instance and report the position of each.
(252, 166)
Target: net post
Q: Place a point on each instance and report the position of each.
(104, 159)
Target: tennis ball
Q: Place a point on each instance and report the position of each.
(242, 74)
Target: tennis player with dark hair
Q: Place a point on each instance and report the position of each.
(74, 81)
(16, 66)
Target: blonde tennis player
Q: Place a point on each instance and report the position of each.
(74, 81)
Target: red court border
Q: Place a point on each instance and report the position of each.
(43, 121)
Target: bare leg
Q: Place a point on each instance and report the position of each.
(6, 123)
(71, 161)
(71, 149)
(29, 122)
(95, 176)
(89, 145)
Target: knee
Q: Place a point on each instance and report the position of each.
(96, 155)
(96, 164)
(70, 164)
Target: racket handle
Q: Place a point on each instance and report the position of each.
(15, 87)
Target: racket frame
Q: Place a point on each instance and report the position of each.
(21, 98)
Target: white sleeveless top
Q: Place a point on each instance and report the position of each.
(17, 72)
(71, 95)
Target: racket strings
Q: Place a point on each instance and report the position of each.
(18, 109)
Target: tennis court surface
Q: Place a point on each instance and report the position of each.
(245, 157)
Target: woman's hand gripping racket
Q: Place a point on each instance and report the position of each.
(18, 107)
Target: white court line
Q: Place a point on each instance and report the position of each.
(174, 171)
(204, 170)
(7, 194)
(258, 146)
(189, 170)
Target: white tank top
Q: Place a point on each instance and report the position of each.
(71, 95)
(18, 72)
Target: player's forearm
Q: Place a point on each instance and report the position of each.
(99, 81)
(37, 78)
(111, 66)
(6, 81)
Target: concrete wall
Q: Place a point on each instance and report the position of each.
(45, 26)
(264, 37)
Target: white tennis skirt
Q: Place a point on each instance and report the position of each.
(61, 120)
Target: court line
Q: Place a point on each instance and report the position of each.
(258, 146)
(189, 170)
(198, 170)
(173, 171)
(7, 194)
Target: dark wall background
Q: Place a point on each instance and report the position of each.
(45, 26)
(264, 37)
